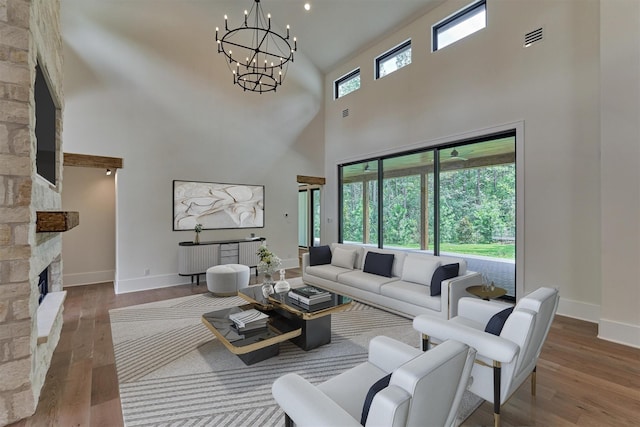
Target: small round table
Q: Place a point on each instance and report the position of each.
(486, 294)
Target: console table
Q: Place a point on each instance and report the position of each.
(194, 259)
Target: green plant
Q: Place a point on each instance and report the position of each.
(269, 262)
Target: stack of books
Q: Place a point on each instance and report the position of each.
(309, 295)
(249, 320)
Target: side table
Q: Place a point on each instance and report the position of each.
(487, 294)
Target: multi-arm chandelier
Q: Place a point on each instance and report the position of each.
(257, 56)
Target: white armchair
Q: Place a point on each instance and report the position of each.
(504, 361)
(425, 388)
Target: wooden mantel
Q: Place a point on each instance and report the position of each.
(89, 161)
(56, 221)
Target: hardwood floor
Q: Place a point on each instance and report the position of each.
(582, 380)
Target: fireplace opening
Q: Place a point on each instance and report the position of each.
(43, 284)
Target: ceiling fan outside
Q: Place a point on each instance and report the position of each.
(455, 156)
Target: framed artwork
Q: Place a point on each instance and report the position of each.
(217, 205)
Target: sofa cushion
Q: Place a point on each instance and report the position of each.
(344, 258)
(419, 269)
(381, 384)
(412, 293)
(327, 271)
(496, 323)
(365, 281)
(359, 252)
(444, 260)
(377, 263)
(319, 255)
(398, 259)
(444, 272)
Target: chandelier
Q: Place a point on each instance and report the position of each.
(257, 56)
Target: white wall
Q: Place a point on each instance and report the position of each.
(620, 165)
(89, 250)
(162, 99)
(485, 81)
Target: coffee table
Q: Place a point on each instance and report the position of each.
(307, 327)
(251, 347)
(315, 320)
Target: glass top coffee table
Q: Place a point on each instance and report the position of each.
(306, 326)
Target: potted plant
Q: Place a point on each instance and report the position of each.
(198, 230)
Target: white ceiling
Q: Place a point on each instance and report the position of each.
(331, 31)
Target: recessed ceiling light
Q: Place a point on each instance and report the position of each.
(307, 6)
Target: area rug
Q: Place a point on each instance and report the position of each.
(173, 372)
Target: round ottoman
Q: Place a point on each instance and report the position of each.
(227, 279)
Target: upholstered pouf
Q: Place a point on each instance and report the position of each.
(227, 279)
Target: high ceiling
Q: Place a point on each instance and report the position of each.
(329, 32)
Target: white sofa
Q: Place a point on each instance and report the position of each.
(407, 292)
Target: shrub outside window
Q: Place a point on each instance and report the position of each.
(460, 25)
(393, 59)
(347, 84)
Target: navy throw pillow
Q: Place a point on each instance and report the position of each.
(319, 255)
(496, 323)
(444, 272)
(381, 384)
(377, 263)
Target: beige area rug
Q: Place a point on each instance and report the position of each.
(173, 372)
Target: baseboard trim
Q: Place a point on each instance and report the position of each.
(89, 278)
(618, 332)
(146, 283)
(579, 310)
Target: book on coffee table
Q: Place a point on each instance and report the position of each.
(249, 319)
(309, 295)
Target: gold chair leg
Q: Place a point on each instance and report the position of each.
(496, 420)
(533, 382)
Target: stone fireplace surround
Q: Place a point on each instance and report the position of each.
(29, 34)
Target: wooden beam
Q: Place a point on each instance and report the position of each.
(56, 221)
(311, 180)
(85, 160)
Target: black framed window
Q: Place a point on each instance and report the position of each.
(461, 24)
(393, 59)
(347, 84)
(458, 199)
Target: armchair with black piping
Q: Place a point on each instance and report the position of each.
(424, 389)
(507, 355)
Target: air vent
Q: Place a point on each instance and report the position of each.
(533, 37)
(345, 113)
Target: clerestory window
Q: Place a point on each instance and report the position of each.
(461, 24)
(394, 59)
(347, 84)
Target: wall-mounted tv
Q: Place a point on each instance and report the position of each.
(46, 164)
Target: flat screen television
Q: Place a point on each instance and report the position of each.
(46, 164)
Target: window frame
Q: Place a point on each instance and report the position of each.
(345, 78)
(405, 45)
(438, 149)
(456, 17)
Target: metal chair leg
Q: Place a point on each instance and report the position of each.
(497, 369)
(425, 342)
(533, 381)
(288, 422)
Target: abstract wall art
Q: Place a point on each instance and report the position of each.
(217, 205)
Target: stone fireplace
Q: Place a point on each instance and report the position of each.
(29, 333)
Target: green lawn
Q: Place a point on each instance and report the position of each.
(496, 250)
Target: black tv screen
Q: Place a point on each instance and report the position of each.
(46, 164)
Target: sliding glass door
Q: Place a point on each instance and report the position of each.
(458, 200)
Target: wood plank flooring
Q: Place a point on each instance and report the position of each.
(582, 380)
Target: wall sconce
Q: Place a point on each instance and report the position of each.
(108, 172)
